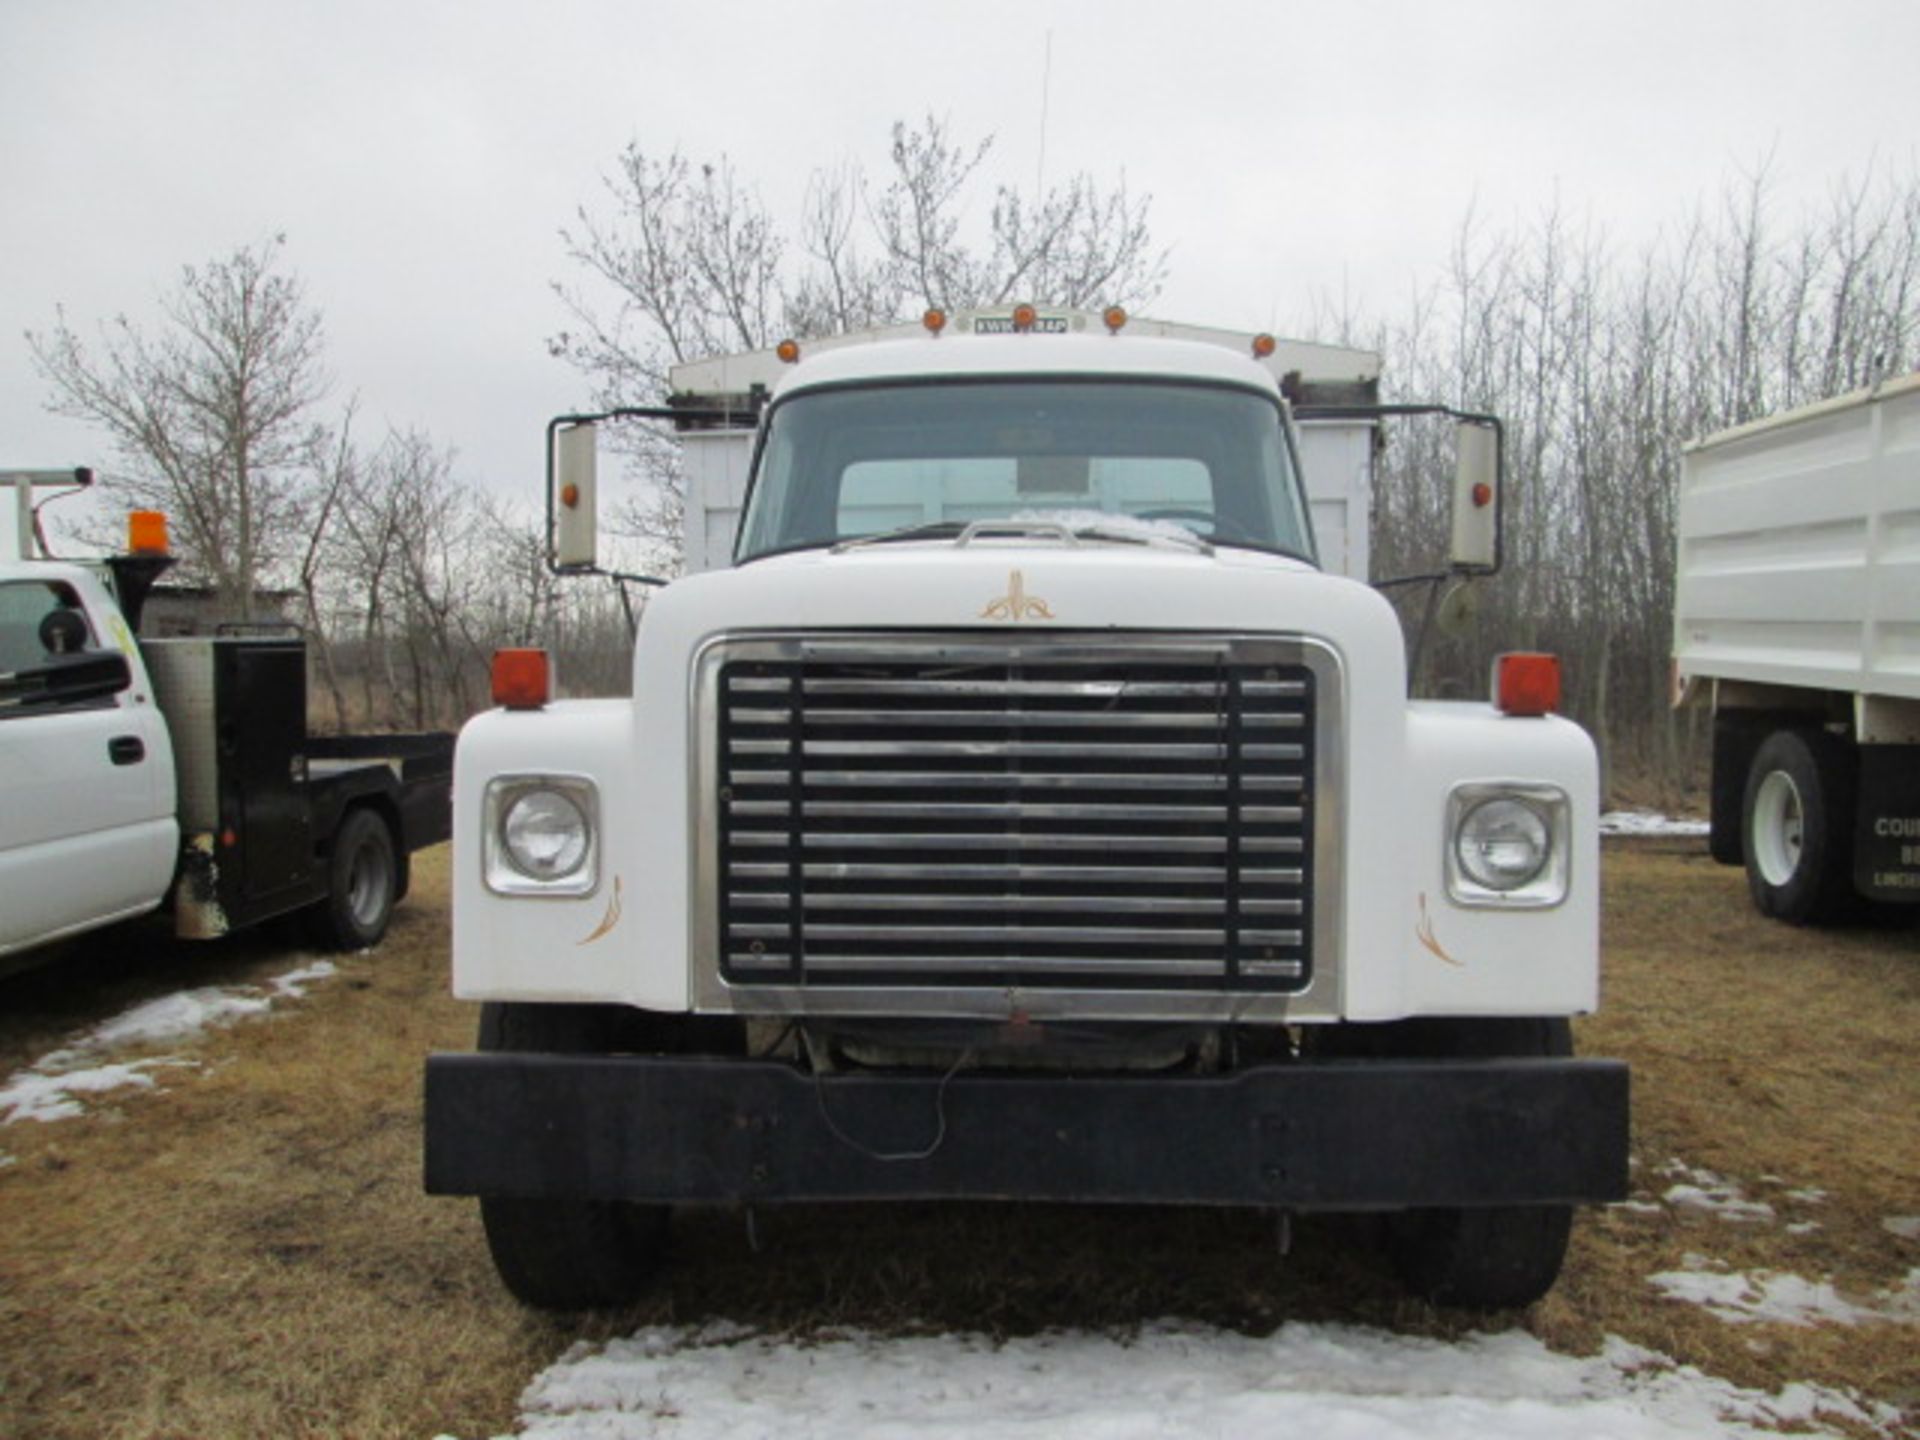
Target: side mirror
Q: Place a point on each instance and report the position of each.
(572, 496)
(66, 680)
(1476, 497)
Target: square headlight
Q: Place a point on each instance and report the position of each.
(540, 835)
(1509, 844)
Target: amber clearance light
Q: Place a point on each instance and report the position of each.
(935, 320)
(788, 351)
(1115, 319)
(1024, 317)
(522, 679)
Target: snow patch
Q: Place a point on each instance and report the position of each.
(1771, 1297)
(1638, 1207)
(1168, 1382)
(53, 1086)
(1714, 1194)
(1647, 822)
(1903, 1227)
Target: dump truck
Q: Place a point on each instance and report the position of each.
(1797, 625)
(1022, 801)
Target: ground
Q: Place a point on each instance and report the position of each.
(236, 1243)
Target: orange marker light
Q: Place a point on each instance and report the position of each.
(788, 350)
(522, 679)
(147, 532)
(1024, 317)
(1526, 683)
(1263, 346)
(935, 320)
(570, 496)
(1115, 318)
(1482, 495)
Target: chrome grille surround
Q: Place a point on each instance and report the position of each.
(1075, 825)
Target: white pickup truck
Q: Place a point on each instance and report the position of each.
(180, 772)
(1021, 811)
(1797, 622)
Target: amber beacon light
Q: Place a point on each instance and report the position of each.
(147, 532)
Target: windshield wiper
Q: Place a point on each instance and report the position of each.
(928, 530)
(1125, 535)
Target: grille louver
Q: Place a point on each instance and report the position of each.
(1042, 816)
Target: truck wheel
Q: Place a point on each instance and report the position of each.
(1477, 1257)
(555, 1253)
(1796, 819)
(363, 879)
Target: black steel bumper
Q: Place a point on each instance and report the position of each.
(1330, 1136)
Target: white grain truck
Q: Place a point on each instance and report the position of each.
(1797, 621)
(1020, 805)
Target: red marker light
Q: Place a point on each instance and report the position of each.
(1526, 683)
(1482, 495)
(522, 679)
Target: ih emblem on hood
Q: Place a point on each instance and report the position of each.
(1016, 605)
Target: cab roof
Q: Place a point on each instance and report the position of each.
(1005, 356)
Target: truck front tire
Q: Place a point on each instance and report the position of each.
(1492, 1257)
(557, 1253)
(363, 882)
(1796, 820)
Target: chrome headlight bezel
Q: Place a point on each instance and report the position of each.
(1547, 885)
(506, 876)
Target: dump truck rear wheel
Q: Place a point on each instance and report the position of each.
(1796, 823)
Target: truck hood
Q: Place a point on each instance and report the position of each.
(1020, 585)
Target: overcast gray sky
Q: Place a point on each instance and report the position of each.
(421, 157)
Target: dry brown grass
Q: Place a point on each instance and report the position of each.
(247, 1252)
(1759, 1050)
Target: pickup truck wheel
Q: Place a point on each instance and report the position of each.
(363, 879)
(1476, 1257)
(557, 1253)
(1795, 820)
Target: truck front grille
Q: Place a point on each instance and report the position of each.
(1101, 815)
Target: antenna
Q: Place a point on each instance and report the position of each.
(1046, 85)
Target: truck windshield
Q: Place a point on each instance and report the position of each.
(925, 457)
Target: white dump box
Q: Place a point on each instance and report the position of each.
(1799, 561)
(1797, 620)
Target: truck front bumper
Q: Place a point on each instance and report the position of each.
(1349, 1135)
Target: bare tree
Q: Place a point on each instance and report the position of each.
(686, 262)
(1604, 364)
(212, 410)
